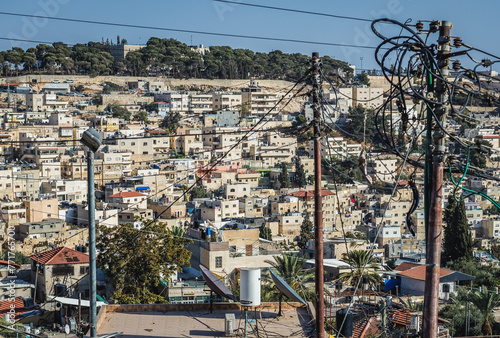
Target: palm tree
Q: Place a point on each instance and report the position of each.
(363, 264)
(290, 268)
(485, 301)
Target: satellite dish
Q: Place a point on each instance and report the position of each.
(66, 329)
(285, 288)
(216, 285)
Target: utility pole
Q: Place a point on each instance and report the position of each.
(434, 232)
(318, 204)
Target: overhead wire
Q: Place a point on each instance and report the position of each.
(178, 30)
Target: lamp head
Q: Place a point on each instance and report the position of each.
(92, 139)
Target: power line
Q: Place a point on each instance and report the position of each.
(295, 10)
(33, 41)
(241, 36)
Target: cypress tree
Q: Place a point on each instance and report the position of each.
(458, 242)
(306, 232)
(300, 174)
(283, 178)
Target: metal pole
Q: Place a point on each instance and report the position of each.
(434, 234)
(92, 250)
(318, 205)
(211, 301)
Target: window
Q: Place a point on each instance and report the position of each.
(218, 262)
(84, 270)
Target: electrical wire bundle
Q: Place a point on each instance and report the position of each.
(412, 76)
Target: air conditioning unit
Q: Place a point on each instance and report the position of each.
(230, 325)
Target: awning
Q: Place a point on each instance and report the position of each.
(74, 301)
(142, 188)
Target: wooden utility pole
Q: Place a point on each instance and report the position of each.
(318, 204)
(435, 228)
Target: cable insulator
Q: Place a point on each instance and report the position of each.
(433, 26)
(457, 42)
(419, 26)
(486, 62)
(456, 65)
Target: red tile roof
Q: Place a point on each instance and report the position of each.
(5, 306)
(406, 266)
(419, 272)
(11, 263)
(403, 317)
(310, 193)
(125, 194)
(61, 255)
(367, 328)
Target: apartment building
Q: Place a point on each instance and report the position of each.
(226, 100)
(45, 102)
(368, 97)
(217, 210)
(259, 101)
(200, 103)
(37, 211)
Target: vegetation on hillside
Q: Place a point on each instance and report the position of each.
(167, 57)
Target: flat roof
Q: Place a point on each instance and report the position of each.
(200, 323)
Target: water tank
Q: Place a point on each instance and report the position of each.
(415, 322)
(60, 290)
(344, 322)
(250, 287)
(230, 325)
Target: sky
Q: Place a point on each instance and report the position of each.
(473, 22)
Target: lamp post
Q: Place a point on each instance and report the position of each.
(93, 140)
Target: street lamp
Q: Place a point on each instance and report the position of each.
(92, 139)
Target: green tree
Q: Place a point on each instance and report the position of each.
(141, 116)
(265, 232)
(299, 122)
(485, 275)
(120, 112)
(171, 122)
(151, 107)
(363, 264)
(199, 192)
(485, 301)
(290, 267)
(457, 315)
(458, 244)
(300, 173)
(135, 260)
(283, 178)
(363, 79)
(306, 232)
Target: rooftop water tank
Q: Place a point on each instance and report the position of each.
(250, 287)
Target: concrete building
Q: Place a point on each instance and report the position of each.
(48, 228)
(45, 102)
(491, 228)
(368, 97)
(37, 211)
(226, 100)
(259, 101)
(53, 267)
(119, 52)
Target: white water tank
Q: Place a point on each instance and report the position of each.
(250, 287)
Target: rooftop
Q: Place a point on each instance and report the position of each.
(125, 194)
(310, 193)
(61, 255)
(199, 323)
